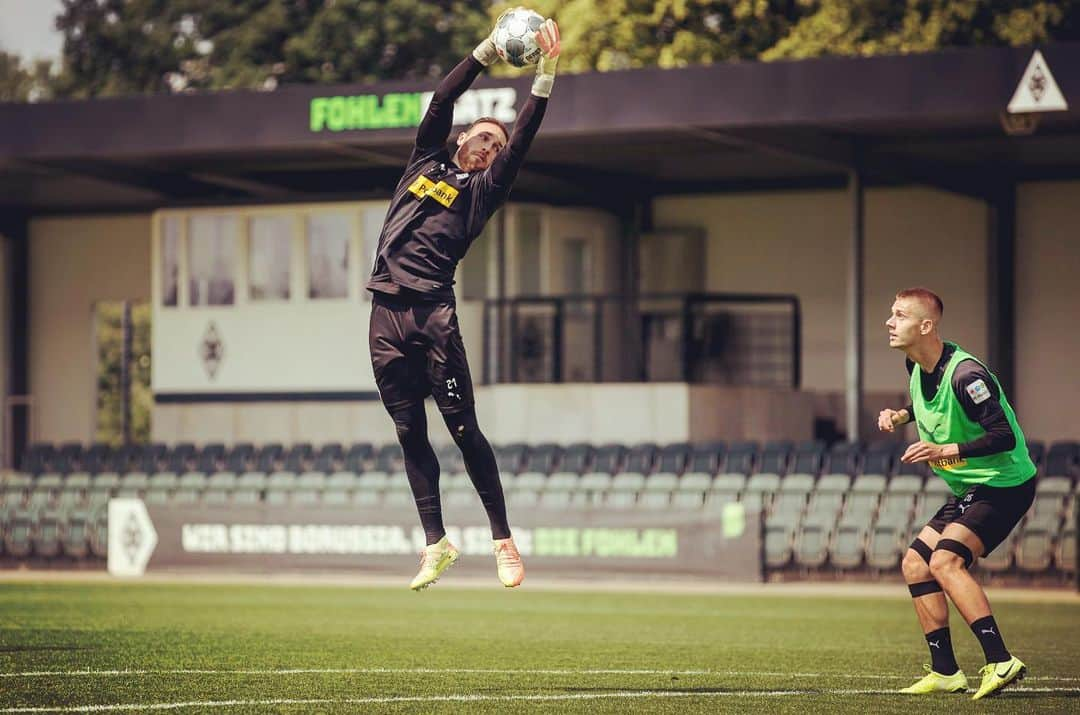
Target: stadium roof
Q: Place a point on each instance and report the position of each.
(608, 139)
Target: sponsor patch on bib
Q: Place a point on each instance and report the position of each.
(978, 391)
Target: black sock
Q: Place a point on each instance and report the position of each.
(986, 630)
(482, 469)
(942, 658)
(422, 467)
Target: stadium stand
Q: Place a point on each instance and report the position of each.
(845, 509)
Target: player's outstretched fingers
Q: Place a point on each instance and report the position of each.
(548, 38)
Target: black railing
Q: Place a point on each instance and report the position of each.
(724, 338)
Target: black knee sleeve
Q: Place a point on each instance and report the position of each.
(923, 589)
(922, 549)
(410, 423)
(957, 548)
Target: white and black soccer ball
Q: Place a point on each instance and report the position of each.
(515, 37)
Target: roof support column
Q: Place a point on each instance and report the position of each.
(15, 229)
(1001, 287)
(853, 382)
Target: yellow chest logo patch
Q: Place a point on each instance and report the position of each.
(441, 192)
(948, 463)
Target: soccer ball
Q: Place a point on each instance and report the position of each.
(515, 37)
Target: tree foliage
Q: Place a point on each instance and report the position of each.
(19, 83)
(142, 46)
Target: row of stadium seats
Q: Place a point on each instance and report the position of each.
(834, 521)
(776, 457)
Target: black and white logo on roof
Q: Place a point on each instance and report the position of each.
(1038, 91)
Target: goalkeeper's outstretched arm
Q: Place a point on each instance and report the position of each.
(504, 169)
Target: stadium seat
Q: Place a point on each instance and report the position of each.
(98, 532)
(181, 458)
(541, 458)
(342, 481)
(69, 458)
(1065, 551)
(559, 481)
(134, 481)
(624, 489)
(18, 534)
(389, 458)
(45, 536)
(1063, 459)
(886, 543)
(1002, 558)
(640, 459)
(335, 497)
(37, 458)
(329, 458)
(530, 481)
(1051, 495)
(359, 457)
(808, 457)
(98, 457)
(156, 496)
(1035, 549)
(879, 458)
(608, 458)
(759, 491)
(511, 457)
(240, 457)
(210, 458)
(672, 458)
(775, 456)
(706, 458)
(269, 457)
(811, 547)
(524, 499)
(725, 488)
(592, 489)
(74, 535)
(741, 457)
(149, 458)
(576, 458)
(555, 499)
(192, 480)
(163, 481)
(844, 458)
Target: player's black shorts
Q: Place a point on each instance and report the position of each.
(990, 512)
(416, 351)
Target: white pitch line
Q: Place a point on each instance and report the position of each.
(475, 698)
(475, 671)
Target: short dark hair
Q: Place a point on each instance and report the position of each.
(927, 296)
(490, 120)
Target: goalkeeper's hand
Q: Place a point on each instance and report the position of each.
(485, 52)
(547, 37)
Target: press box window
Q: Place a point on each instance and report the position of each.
(269, 256)
(170, 260)
(212, 260)
(328, 255)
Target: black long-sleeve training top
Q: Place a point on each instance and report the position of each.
(438, 208)
(999, 435)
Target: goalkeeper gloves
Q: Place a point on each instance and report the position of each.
(485, 52)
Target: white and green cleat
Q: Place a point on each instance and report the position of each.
(996, 676)
(934, 682)
(434, 560)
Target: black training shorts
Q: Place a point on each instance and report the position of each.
(990, 512)
(416, 351)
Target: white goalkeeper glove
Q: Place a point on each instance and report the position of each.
(485, 52)
(547, 37)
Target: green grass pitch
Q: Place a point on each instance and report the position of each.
(189, 646)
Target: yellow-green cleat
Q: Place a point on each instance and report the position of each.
(996, 676)
(434, 560)
(934, 682)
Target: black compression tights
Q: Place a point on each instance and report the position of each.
(422, 468)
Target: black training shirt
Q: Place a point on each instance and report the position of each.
(438, 209)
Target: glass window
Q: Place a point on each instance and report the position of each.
(170, 260)
(269, 255)
(211, 259)
(528, 258)
(578, 260)
(328, 255)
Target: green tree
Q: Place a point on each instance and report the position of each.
(110, 356)
(114, 47)
(623, 34)
(872, 27)
(19, 83)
